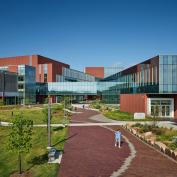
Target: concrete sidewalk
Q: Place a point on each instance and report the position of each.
(165, 124)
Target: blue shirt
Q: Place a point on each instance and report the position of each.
(117, 135)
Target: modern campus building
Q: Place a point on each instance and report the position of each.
(34, 74)
(149, 87)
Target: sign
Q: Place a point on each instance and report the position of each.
(139, 115)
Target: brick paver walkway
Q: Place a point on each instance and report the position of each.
(148, 162)
(90, 152)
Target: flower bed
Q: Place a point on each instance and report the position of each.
(163, 139)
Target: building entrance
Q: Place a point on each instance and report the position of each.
(161, 107)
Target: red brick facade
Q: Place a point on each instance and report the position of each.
(37, 61)
(138, 102)
(133, 103)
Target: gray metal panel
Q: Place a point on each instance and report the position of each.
(30, 60)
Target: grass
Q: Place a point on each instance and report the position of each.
(118, 115)
(36, 160)
(35, 113)
(125, 116)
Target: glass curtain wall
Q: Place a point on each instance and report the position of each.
(109, 91)
(168, 74)
(77, 76)
(26, 84)
(108, 71)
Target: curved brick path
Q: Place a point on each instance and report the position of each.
(148, 162)
(89, 152)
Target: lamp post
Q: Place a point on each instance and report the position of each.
(49, 118)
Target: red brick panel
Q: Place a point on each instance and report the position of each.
(13, 68)
(50, 73)
(54, 67)
(23, 60)
(133, 103)
(95, 71)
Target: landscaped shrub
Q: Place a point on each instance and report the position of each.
(165, 135)
(173, 146)
(145, 128)
(158, 131)
(96, 104)
(139, 125)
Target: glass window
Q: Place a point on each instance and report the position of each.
(165, 74)
(165, 59)
(170, 88)
(155, 102)
(169, 74)
(174, 60)
(174, 74)
(45, 68)
(20, 78)
(161, 60)
(155, 74)
(45, 77)
(165, 102)
(20, 86)
(161, 75)
(165, 88)
(169, 59)
(174, 88)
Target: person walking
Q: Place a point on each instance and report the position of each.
(118, 138)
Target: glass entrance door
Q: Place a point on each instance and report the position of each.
(167, 109)
(163, 111)
(161, 108)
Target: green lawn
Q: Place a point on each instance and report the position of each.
(124, 116)
(34, 113)
(117, 115)
(36, 160)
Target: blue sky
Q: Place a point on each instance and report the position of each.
(89, 32)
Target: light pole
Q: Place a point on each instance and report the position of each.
(49, 118)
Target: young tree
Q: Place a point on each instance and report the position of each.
(20, 137)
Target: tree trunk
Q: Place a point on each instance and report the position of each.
(20, 163)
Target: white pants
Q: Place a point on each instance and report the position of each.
(117, 142)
